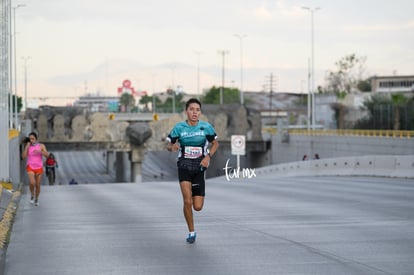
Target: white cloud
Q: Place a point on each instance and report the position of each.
(380, 27)
(262, 13)
(278, 11)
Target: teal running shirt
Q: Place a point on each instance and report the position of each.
(194, 140)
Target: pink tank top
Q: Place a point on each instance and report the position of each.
(34, 157)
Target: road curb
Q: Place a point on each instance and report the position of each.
(6, 223)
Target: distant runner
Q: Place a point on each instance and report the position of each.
(34, 152)
(51, 164)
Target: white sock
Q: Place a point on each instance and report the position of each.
(192, 233)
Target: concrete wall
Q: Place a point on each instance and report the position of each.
(292, 148)
(14, 160)
(357, 152)
(161, 165)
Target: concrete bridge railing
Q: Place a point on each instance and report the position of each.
(401, 166)
(401, 134)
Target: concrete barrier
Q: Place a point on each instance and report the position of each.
(404, 166)
(365, 165)
(384, 166)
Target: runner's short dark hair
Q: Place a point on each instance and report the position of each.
(192, 100)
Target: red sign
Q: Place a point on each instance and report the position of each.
(126, 83)
(127, 88)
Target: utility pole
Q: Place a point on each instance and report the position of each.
(153, 93)
(309, 95)
(9, 21)
(271, 81)
(271, 94)
(272, 88)
(241, 36)
(223, 53)
(25, 58)
(172, 67)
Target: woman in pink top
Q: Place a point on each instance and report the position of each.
(34, 152)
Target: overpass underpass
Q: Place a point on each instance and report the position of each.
(84, 167)
(155, 165)
(91, 162)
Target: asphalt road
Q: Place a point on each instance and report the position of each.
(262, 225)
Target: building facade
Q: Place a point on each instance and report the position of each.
(98, 103)
(392, 84)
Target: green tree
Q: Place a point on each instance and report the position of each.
(347, 74)
(145, 100)
(364, 85)
(377, 113)
(388, 112)
(157, 103)
(19, 103)
(167, 106)
(398, 100)
(346, 77)
(340, 110)
(230, 95)
(127, 100)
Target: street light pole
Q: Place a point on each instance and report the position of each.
(309, 96)
(312, 11)
(15, 63)
(172, 67)
(153, 93)
(241, 36)
(223, 53)
(10, 53)
(25, 58)
(198, 70)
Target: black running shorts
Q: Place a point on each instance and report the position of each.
(196, 178)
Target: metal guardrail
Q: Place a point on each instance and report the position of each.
(347, 132)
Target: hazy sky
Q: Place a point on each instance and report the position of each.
(78, 46)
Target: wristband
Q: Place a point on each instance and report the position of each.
(209, 155)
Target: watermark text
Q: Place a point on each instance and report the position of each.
(237, 173)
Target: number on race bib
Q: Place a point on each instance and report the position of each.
(191, 152)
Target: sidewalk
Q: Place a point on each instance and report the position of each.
(9, 201)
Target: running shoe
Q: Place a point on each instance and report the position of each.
(36, 203)
(32, 200)
(191, 238)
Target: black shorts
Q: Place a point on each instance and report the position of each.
(196, 178)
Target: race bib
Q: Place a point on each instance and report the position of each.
(191, 152)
